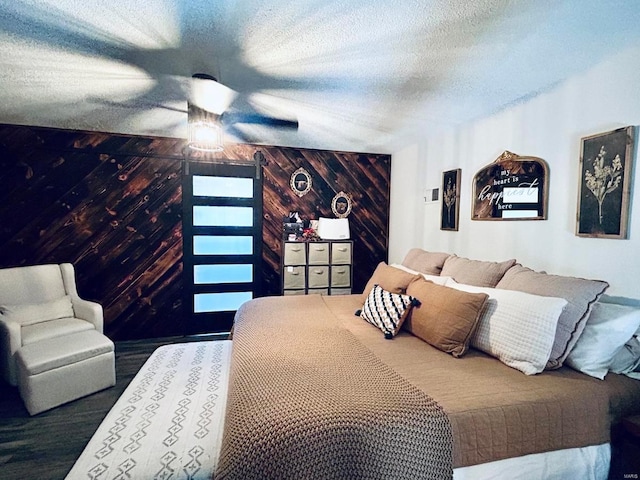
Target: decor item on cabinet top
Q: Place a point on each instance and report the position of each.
(292, 226)
(341, 205)
(605, 184)
(333, 228)
(513, 187)
(300, 182)
(296, 229)
(450, 210)
(310, 232)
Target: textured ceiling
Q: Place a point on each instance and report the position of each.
(364, 75)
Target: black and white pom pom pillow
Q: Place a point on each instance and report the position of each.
(387, 310)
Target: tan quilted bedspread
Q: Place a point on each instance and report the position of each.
(308, 400)
(497, 412)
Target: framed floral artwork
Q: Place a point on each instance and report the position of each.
(450, 208)
(606, 161)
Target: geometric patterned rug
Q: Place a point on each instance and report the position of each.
(168, 422)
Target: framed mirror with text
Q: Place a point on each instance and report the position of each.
(513, 187)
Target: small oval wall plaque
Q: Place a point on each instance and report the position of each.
(300, 182)
(341, 205)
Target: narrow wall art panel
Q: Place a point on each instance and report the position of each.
(605, 184)
(450, 208)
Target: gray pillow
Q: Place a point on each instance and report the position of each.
(425, 262)
(475, 272)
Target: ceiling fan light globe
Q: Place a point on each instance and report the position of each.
(208, 94)
(205, 136)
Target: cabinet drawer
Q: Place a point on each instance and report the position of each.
(341, 276)
(340, 291)
(341, 253)
(294, 292)
(295, 253)
(318, 276)
(318, 291)
(294, 277)
(318, 253)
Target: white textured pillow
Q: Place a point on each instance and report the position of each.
(432, 278)
(580, 294)
(608, 328)
(28, 314)
(515, 327)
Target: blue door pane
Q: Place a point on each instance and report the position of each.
(209, 216)
(219, 302)
(222, 274)
(222, 245)
(205, 186)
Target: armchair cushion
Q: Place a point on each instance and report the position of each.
(30, 313)
(60, 327)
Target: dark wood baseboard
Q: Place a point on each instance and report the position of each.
(46, 446)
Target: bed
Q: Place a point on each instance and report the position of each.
(316, 391)
(471, 376)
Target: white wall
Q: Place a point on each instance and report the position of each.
(549, 126)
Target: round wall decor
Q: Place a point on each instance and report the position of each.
(341, 205)
(300, 182)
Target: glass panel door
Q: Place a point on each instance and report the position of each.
(222, 243)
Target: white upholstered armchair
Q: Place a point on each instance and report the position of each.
(38, 303)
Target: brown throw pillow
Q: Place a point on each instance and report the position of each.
(475, 272)
(389, 278)
(580, 294)
(425, 262)
(446, 318)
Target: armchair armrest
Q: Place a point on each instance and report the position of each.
(84, 309)
(90, 311)
(10, 342)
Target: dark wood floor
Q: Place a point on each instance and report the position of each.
(45, 446)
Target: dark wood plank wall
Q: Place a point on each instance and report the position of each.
(364, 176)
(102, 203)
(111, 205)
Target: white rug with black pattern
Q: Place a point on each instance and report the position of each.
(168, 422)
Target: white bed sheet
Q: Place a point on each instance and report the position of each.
(587, 463)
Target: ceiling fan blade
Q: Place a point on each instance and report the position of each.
(231, 118)
(135, 105)
(209, 94)
(239, 134)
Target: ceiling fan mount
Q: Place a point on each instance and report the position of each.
(211, 104)
(204, 76)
